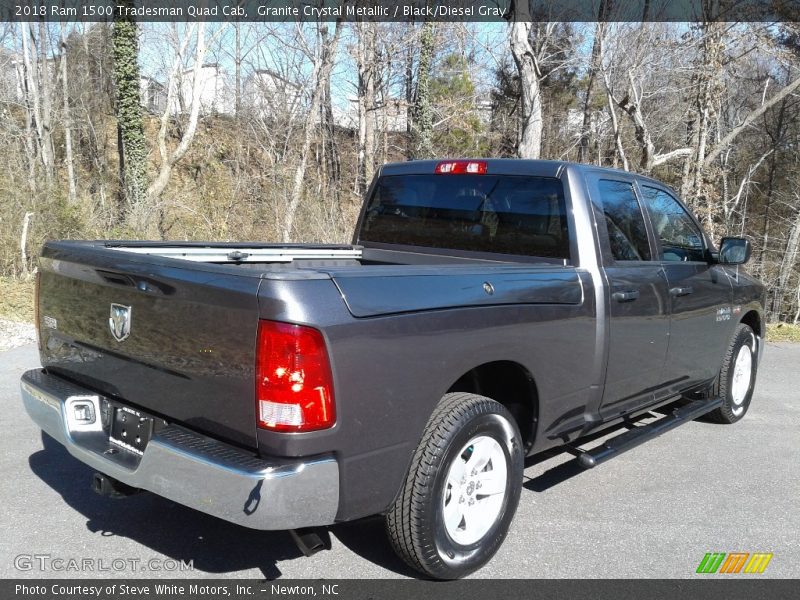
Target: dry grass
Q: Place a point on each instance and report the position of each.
(16, 299)
(783, 332)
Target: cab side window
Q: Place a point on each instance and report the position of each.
(681, 239)
(627, 234)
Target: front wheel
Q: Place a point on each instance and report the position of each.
(737, 376)
(462, 488)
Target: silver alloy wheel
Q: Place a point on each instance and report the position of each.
(474, 490)
(742, 373)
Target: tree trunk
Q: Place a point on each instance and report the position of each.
(776, 139)
(765, 229)
(33, 92)
(30, 136)
(530, 132)
(620, 149)
(332, 160)
(45, 82)
(322, 71)
(238, 61)
(788, 263)
(366, 59)
(701, 194)
(67, 120)
(408, 81)
(23, 243)
(423, 110)
(797, 299)
(133, 146)
(594, 67)
(168, 161)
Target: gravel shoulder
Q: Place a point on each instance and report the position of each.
(15, 333)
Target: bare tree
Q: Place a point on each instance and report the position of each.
(595, 63)
(23, 243)
(323, 62)
(170, 159)
(788, 262)
(38, 91)
(330, 149)
(46, 87)
(525, 58)
(367, 73)
(67, 116)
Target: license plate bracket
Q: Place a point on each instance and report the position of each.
(130, 429)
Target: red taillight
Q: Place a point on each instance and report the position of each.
(294, 385)
(459, 167)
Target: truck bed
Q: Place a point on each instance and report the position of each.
(194, 310)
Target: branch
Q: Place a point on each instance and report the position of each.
(719, 147)
(734, 203)
(172, 84)
(660, 159)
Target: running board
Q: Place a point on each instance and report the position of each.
(639, 435)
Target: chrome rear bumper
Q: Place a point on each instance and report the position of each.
(189, 468)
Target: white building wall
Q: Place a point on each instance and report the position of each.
(215, 92)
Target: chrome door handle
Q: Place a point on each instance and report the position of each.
(681, 291)
(625, 296)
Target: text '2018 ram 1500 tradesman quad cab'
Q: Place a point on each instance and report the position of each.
(487, 310)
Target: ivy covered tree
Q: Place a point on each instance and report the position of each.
(131, 141)
(423, 108)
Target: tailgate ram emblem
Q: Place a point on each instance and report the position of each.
(120, 321)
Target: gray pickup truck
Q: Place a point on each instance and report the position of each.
(486, 311)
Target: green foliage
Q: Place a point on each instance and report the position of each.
(452, 80)
(462, 131)
(423, 111)
(133, 153)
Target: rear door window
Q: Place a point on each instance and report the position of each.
(502, 214)
(627, 234)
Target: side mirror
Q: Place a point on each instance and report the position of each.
(734, 251)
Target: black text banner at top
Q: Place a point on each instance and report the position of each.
(401, 10)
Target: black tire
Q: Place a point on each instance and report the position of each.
(415, 522)
(734, 408)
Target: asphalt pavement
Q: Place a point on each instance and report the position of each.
(653, 512)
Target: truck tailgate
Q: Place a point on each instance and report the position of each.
(189, 351)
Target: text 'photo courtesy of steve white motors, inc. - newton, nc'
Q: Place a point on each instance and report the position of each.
(180, 589)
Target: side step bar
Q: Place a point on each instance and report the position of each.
(639, 435)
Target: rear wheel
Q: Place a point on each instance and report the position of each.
(737, 376)
(462, 489)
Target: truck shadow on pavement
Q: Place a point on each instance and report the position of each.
(570, 468)
(182, 534)
(218, 547)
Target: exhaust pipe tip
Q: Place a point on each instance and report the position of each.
(311, 540)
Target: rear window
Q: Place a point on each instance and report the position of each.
(480, 213)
